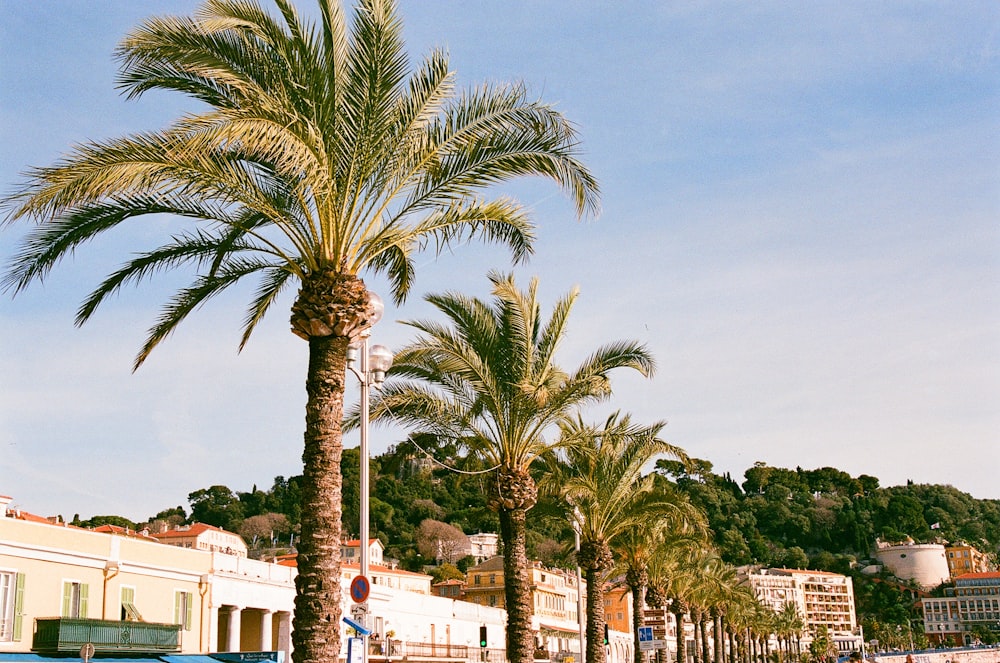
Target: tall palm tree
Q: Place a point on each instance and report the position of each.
(599, 471)
(319, 155)
(490, 381)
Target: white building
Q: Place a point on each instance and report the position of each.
(822, 599)
(924, 563)
(216, 602)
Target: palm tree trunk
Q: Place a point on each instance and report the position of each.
(638, 603)
(517, 586)
(703, 619)
(679, 618)
(316, 636)
(718, 637)
(595, 616)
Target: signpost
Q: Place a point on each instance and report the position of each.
(360, 588)
(645, 638)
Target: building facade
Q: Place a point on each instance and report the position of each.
(556, 597)
(969, 608)
(963, 558)
(822, 599)
(924, 563)
(215, 603)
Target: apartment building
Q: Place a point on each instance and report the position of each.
(821, 598)
(555, 595)
(964, 558)
(190, 601)
(972, 604)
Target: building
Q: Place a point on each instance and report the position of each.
(963, 558)
(556, 596)
(971, 605)
(821, 598)
(618, 608)
(350, 551)
(451, 588)
(206, 602)
(199, 536)
(483, 546)
(217, 602)
(923, 563)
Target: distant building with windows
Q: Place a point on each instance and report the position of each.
(483, 546)
(974, 601)
(821, 598)
(350, 551)
(555, 596)
(199, 536)
(964, 558)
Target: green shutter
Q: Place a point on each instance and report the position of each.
(177, 607)
(83, 600)
(18, 605)
(67, 602)
(189, 602)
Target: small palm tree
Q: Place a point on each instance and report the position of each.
(490, 381)
(320, 156)
(599, 473)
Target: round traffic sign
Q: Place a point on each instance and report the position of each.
(359, 589)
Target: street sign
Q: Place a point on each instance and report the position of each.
(645, 638)
(360, 587)
(359, 611)
(659, 643)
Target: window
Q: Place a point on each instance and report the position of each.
(74, 600)
(183, 607)
(11, 605)
(129, 612)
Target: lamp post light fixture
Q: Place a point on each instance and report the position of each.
(372, 364)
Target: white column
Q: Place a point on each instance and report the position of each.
(212, 636)
(233, 632)
(285, 634)
(265, 630)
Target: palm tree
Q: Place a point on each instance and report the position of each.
(599, 473)
(491, 382)
(320, 156)
(639, 546)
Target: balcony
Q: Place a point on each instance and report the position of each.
(69, 635)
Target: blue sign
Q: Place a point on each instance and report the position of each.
(645, 634)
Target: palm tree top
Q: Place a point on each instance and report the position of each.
(320, 150)
(489, 378)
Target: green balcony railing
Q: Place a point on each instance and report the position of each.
(68, 635)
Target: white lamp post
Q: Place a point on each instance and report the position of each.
(577, 526)
(373, 363)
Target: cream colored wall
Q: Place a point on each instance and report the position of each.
(48, 556)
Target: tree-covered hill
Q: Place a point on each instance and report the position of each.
(822, 518)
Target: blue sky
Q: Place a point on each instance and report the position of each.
(800, 218)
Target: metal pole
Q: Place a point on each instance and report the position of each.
(364, 526)
(579, 582)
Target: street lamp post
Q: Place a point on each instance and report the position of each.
(372, 364)
(577, 526)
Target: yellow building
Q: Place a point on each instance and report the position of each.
(136, 591)
(963, 558)
(618, 608)
(555, 596)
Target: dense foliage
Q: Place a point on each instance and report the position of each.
(822, 519)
